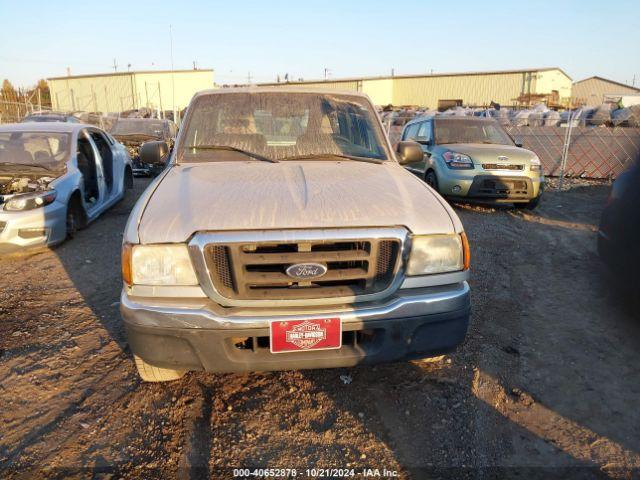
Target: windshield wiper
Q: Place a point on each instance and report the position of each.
(233, 149)
(148, 135)
(336, 155)
(33, 165)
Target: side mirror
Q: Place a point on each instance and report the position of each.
(518, 143)
(409, 152)
(153, 153)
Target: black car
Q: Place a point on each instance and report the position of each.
(619, 233)
(134, 132)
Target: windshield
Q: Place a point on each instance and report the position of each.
(280, 126)
(38, 150)
(449, 130)
(130, 126)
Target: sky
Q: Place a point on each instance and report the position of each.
(262, 39)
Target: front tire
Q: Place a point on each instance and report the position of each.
(75, 217)
(149, 373)
(432, 180)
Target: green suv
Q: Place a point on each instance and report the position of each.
(475, 159)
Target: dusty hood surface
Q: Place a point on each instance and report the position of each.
(310, 194)
(480, 152)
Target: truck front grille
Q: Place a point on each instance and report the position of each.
(258, 271)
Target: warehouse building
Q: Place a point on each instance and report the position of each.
(443, 90)
(163, 90)
(593, 90)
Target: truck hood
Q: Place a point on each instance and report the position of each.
(288, 195)
(481, 152)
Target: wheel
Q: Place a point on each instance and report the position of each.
(127, 185)
(530, 205)
(128, 179)
(75, 217)
(431, 179)
(149, 373)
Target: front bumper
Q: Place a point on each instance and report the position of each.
(32, 228)
(491, 187)
(412, 324)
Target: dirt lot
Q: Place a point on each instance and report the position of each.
(546, 384)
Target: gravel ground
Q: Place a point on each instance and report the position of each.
(546, 384)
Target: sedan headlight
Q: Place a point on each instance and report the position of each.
(29, 201)
(168, 264)
(535, 165)
(457, 160)
(438, 254)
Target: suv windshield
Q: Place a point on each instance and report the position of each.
(138, 126)
(280, 126)
(33, 150)
(451, 130)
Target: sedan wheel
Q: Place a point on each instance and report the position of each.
(431, 179)
(73, 219)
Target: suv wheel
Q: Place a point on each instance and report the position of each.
(431, 180)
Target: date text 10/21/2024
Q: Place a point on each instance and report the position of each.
(314, 473)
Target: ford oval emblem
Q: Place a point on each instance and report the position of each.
(503, 158)
(306, 271)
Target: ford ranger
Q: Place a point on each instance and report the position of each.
(285, 234)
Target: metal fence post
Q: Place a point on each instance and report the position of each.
(565, 150)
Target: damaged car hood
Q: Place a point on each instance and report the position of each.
(219, 196)
(24, 182)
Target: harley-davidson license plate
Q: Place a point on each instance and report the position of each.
(304, 335)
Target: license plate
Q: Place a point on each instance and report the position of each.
(304, 335)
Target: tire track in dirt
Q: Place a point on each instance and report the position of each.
(196, 451)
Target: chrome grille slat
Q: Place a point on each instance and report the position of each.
(301, 257)
(331, 275)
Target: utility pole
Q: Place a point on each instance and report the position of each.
(326, 73)
(249, 78)
(173, 83)
(115, 65)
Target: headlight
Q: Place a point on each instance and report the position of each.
(535, 165)
(438, 254)
(29, 201)
(157, 265)
(457, 160)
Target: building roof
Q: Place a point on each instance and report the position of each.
(133, 72)
(602, 79)
(421, 75)
(283, 88)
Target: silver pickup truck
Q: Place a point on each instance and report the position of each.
(285, 234)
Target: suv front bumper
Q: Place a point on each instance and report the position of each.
(414, 323)
(492, 187)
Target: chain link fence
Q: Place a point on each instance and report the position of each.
(592, 152)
